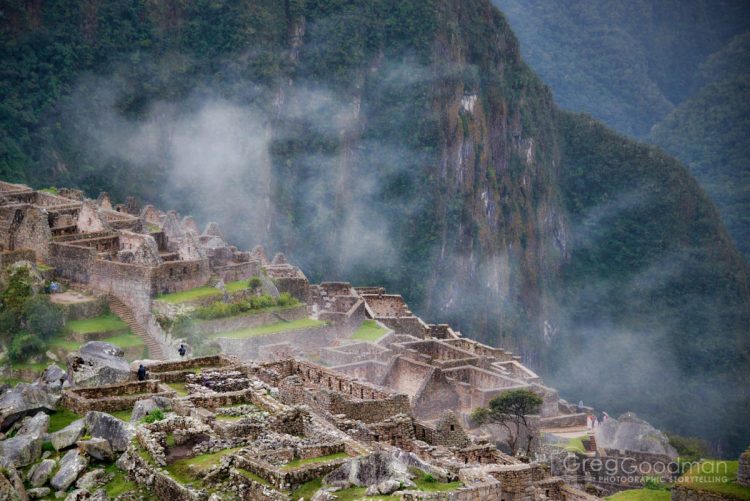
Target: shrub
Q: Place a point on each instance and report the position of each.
(285, 299)
(153, 416)
(43, 317)
(19, 290)
(23, 346)
(254, 283)
(429, 478)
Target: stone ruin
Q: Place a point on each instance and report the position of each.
(287, 407)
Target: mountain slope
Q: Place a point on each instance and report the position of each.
(402, 143)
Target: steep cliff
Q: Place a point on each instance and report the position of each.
(402, 143)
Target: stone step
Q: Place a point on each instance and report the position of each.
(125, 313)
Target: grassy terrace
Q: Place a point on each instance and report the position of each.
(304, 323)
(104, 323)
(641, 495)
(369, 331)
(60, 419)
(201, 292)
(321, 459)
(716, 476)
(182, 469)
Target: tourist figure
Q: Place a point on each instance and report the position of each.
(182, 350)
(580, 405)
(141, 373)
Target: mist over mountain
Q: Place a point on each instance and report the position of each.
(671, 73)
(405, 144)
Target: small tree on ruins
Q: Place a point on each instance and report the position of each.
(510, 410)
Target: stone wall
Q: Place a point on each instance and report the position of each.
(10, 257)
(681, 492)
(484, 492)
(307, 339)
(110, 398)
(72, 263)
(743, 472)
(251, 319)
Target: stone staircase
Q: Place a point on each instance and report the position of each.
(126, 314)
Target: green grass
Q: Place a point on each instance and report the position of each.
(263, 330)
(104, 323)
(428, 486)
(261, 481)
(201, 292)
(640, 495)
(576, 444)
(703, 477)
(307, 490)
(123, 415)
(369, 331)
(357, 493)
(180, 470)
(321, 459)
(119, 483)
(179, 388)
(60, 419)
(126, 340)
(36, 367)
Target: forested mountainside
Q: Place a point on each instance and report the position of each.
(401, 143)
(673, 73)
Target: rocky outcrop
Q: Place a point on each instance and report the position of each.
(22, 450)
(36, 425)
(102, 425)
(97, 363)
(23, 400)
(378, 469)
(40, 473)
(143, 407)
(630, 433)
(97, 448)
(72, 464)
(68, 436)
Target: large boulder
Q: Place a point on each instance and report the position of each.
(36, 425)
(40, 473)
(25, 399)
(630, 433)
(143, 407)
(53, 378)
(22, 450)
(97, 448)
(97, 363)
(93, 479)
(62, 439)
(377, 468)
(7, 489)
(72, 464)
(38, 492)
(102, 425)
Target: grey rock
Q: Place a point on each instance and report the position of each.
(38, 492)
(97, 363)
(25, 399)
(116, 431)
(36, 425)
(369, 470)
(72, 464)
(100, 495)
(97, 448)
(40, 473)
(68, 436)
(7, 490)
(93, 479)
(22, 450)
(630, 433)
(53, 377)
(323, 495)
(78, 495)
(143, 407)
(385, 487)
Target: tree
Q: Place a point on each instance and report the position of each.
(43, 317)
(510, 410)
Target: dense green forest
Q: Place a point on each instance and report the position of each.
(667, 72)
(406, 144)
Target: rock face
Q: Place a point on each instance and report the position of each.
(72, 465)
(36, 425)
(97, 363)
(143, 407)
(115, 431)
(39, 474)
(68, 436)
(373, 470)
(97, 448)
(630, 433)
(23, 400)
(53, 378)
(22, 450)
